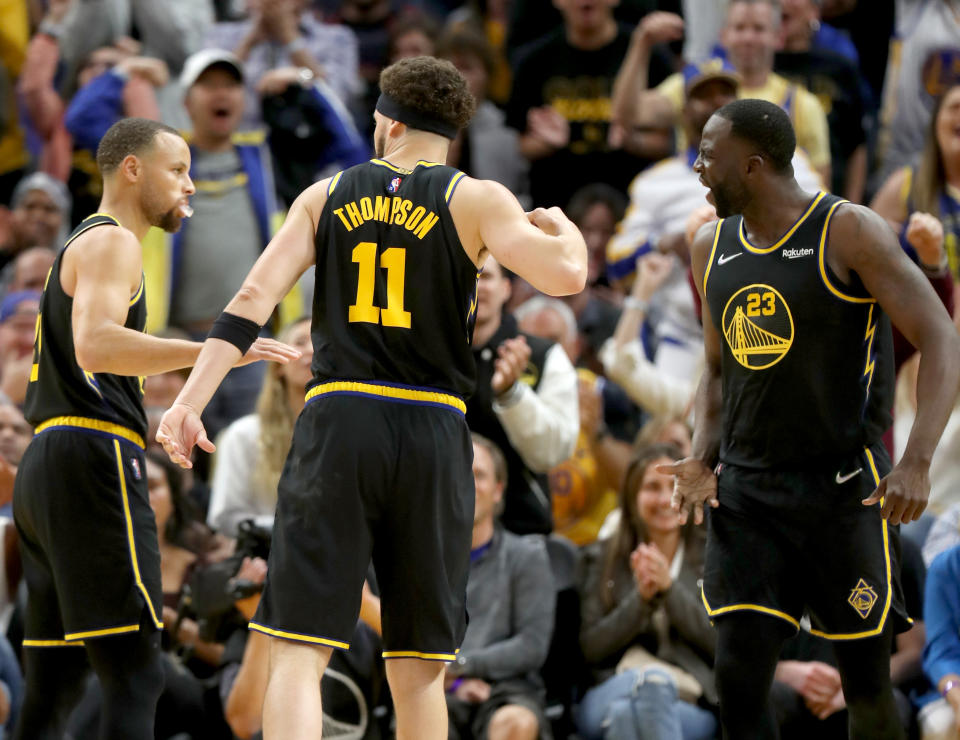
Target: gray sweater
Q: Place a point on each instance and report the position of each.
(511, 602)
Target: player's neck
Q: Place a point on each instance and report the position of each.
(128, 213)
(768, 218)
(412, 149)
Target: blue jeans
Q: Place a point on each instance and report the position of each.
(636, 705)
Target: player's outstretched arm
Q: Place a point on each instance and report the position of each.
(695, 483)
(106, 267)
(282, 263)
(862, 242)
(543, 247)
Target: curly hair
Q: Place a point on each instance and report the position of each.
(430, 86)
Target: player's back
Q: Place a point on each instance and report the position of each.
(60, 392)
(395, 291)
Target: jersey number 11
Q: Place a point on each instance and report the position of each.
(393, 260)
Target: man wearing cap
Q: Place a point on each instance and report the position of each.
(750, 36)
(661, 199)
(39, 216)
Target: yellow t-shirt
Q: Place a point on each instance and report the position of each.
(806, 113)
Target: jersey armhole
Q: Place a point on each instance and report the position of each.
(713, 251)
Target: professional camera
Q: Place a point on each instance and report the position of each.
(212, 590)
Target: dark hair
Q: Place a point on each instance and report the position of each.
(411, 23)
(185, 527)
(470, 42)
(596, 192)
(432, 87)
(766, 126)
(631, 530)
(128, 136)
(930, 176)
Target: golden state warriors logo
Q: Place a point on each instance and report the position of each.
(758, 326)
(862, 598)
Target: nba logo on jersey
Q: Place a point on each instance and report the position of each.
(135, 464)
(394, 185)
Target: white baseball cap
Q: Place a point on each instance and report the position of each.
(200, 62)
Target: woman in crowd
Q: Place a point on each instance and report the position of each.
(252, 450)
(644, 630)
(932, 187)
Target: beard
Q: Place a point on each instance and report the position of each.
(169, 221)
(726, 203)
(379, 143)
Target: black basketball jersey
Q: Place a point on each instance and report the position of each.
(395, 292)
(58, 386)
(807, 364)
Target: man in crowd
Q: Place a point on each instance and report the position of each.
(494, 688)
(525, 401)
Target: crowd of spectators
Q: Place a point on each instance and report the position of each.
(585, 613)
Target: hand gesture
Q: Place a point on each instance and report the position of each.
(57, 10)
(904, 492)
(549, 126)
(180, 429)
(271, 350)
(473, 691)
(150, 69)
(276, 81)
(925, 234)
(659, 27)
(548, 220)
(653, 269)
(823, 709)
(694, 485)
(512, 358)
(651, 570)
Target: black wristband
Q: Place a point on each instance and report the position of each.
(240, 332)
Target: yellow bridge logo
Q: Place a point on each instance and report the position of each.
(862, 598)
(758, 326)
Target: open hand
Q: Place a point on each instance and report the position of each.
(549, 126)
(694, 485)
(271, 350)
(904, 492)
(180, 429)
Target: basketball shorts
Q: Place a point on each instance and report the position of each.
(88, 536)
(373, 477)
(786, 543)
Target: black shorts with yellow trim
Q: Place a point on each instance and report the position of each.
(385, 474)
(783, 543)
(88, 536)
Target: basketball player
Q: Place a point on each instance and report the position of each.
(794, 400)
(381, 457)
(87, 533)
